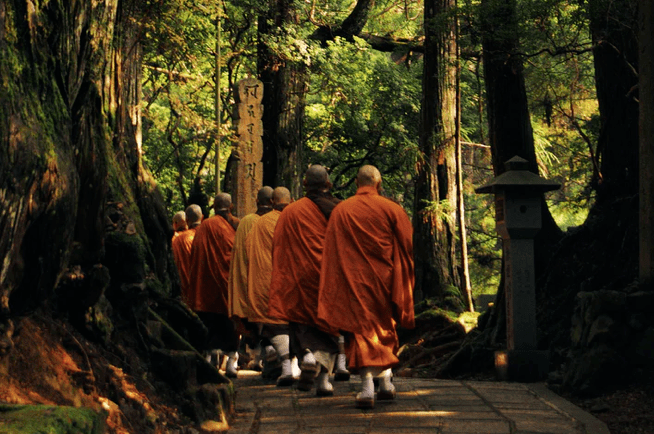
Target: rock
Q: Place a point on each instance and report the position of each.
(601, 330)
(642, 350)
(641, 301)
(30, 419)
(600, 407)
(638, 321)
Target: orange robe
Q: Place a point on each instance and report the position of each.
(367, 278)
(210, 257)
(182, 242)
(238, 271)
(297, 255)
(259, 246)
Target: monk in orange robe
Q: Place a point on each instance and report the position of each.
(223, 207)
(259, 247)
(366, 281)
(297, 256)
(182, 243)
(210, 258)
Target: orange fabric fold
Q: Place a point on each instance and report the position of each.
(259, 247)
(297, 255)
(367, 275)
(238, 271)
(182, 242)
(210, 258)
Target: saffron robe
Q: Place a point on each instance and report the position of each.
(367, 277)
(210, 258)
(297, 255)
(259, 246)
(238, 271)
(182, 242)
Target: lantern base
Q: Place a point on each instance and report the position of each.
(525, 366)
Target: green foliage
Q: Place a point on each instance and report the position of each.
(363, 106)
(363, 109)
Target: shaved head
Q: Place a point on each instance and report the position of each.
(179, 221)
(281, 196)
(193, 214)
(369, 175)
(222, 202)
(179, 217)
(265, 195)
(317, 178)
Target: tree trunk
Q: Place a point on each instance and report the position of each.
(70, 158)
(435, 192)
(613, 26)
(285, 86)
(509, 123)
(646, 156)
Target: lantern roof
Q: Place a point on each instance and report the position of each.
(518, 177)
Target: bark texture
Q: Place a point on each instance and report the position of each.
(435, 191)
(285, 87)
(72, 183)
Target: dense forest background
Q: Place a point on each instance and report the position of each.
(113, 115)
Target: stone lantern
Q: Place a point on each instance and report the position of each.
(518, 196)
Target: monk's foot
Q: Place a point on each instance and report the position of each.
(386, 393)
(285, 381)
(306, 380)
(386, 386)
(341, 374)
(324, 387)
(364, 401)
(271, 354)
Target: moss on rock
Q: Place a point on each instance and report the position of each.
(49, 419)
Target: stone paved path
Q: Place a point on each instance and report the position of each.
(421, 406)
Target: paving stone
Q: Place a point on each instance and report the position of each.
(421, 406)
(476, 427)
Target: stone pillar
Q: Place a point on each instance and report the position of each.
(249, 151)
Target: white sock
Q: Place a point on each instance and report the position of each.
(323, 381)
(287, 368)
(341, 364)
(295, 367)
(270, 353)
(367, 385)
(309, 359)
(281, 344)
(385, 383)
(232, 361)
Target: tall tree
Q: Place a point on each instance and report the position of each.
(509, 124)
(435, 189)
(285, 85)
(646, 155)
(613, 26)
(70, 154)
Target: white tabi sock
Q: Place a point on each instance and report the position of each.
(287, 368)
(232, 362)
(295, 366)
(385, 383)
(281, 344)
(367, 385)
(323, 382)
(309, 359)
(270, 353)
(341, 364)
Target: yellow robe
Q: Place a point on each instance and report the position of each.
(259, 247)
(238, 272)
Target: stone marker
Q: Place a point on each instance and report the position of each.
(518, 194)
(249, 151)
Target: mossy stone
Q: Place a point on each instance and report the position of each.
(50, 419)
